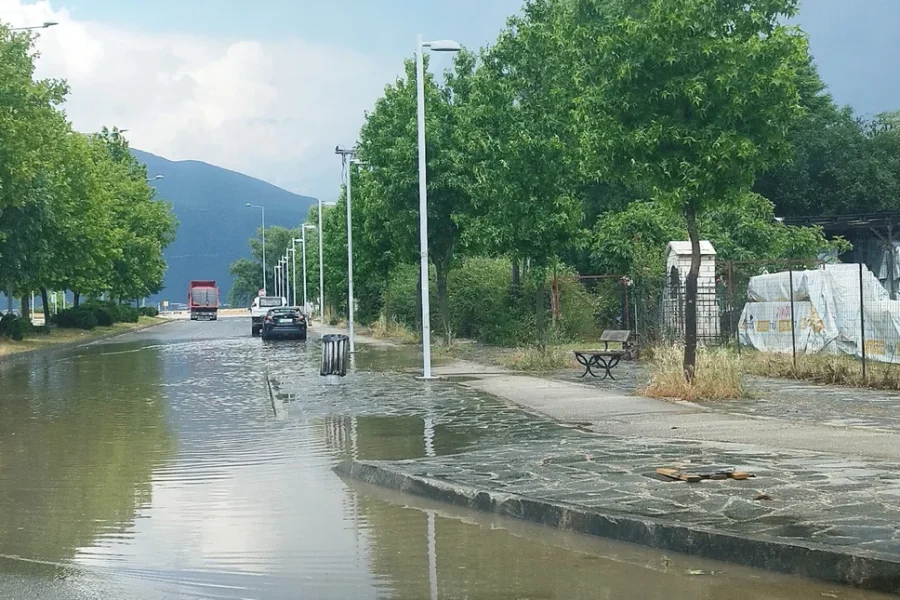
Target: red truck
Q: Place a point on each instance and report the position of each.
(203, 300)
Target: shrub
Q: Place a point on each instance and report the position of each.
(15, 328)
(401, 296)
(104, 315)
(481, 303)
(148, 311)
(129, 314)
(83, 317)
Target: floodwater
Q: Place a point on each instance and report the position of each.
(193, 461)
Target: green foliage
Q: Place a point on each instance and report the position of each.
(401, 296)
(97, 313)
(148, 311)
(82, 317)
(388, 214)
(630, 241)
(76, 212)
(482, 305)
(15, 328)
(840, 165)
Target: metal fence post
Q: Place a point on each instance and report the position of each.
(735, 326)
(793, 329)
(862, 322)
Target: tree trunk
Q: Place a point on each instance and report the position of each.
(45, 300)
(690, 296)
(26, 306)
(419, 301)
(516, 277)
(540, 317)
(442, 271)
(76, 299)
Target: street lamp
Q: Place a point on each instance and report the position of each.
(303, 240)
(348, 159)
(263, 209)
(435, 46)
(156, 177)
(322, 266)
(275, 275)
(287, 275)
(45, 25)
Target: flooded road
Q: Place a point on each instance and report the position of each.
(193, 461)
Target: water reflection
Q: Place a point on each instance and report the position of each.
(394, 437)
(79, 440)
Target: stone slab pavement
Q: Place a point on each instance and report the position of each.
(784, 420)
(820, 488)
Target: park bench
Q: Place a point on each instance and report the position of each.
(608, 357)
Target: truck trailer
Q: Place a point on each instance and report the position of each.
(203, 300)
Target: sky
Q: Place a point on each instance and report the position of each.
(269, 88)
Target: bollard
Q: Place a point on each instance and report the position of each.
(334, 357)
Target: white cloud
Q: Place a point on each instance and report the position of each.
(273, 110)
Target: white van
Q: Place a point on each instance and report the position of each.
(258, 309)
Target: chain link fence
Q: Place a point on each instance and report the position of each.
(835, 323)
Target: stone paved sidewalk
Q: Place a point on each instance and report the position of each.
(817, 498)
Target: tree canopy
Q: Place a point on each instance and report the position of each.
(76, 211)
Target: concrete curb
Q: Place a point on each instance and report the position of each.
(859, 569)
(11, 358)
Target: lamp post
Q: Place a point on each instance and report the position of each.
(303, 239)
(321, 272)
(275, 275)
(44, 25)
(287, 276)
(348, 159)
(293, 253)
(421, 46)
(263, 209)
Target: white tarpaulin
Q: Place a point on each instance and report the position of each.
(826, 313)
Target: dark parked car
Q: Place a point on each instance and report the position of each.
(284, 322)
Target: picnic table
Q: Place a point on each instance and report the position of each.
(607, 358)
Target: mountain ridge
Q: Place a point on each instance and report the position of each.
(214, 223)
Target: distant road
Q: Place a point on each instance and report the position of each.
(224, 313)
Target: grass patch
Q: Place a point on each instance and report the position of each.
(719, 375)
(831, 369)
(389, 329)
(57, 337)
(538, 360)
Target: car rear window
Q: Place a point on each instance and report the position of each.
(282, 311)
(267, 302)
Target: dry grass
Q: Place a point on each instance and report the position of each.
(389, 329)
(537, 360)
(719, 375)
(58, 337)
(832, 369)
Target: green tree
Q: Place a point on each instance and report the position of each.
(31, 131)
(628, 242)
(248, 271)
(145, 226)
(691, 97)
(389, 205)
(517, 136)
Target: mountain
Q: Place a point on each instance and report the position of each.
(214, 223)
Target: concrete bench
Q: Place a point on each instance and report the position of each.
(606, 358)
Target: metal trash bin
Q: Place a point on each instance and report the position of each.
(335, 353)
